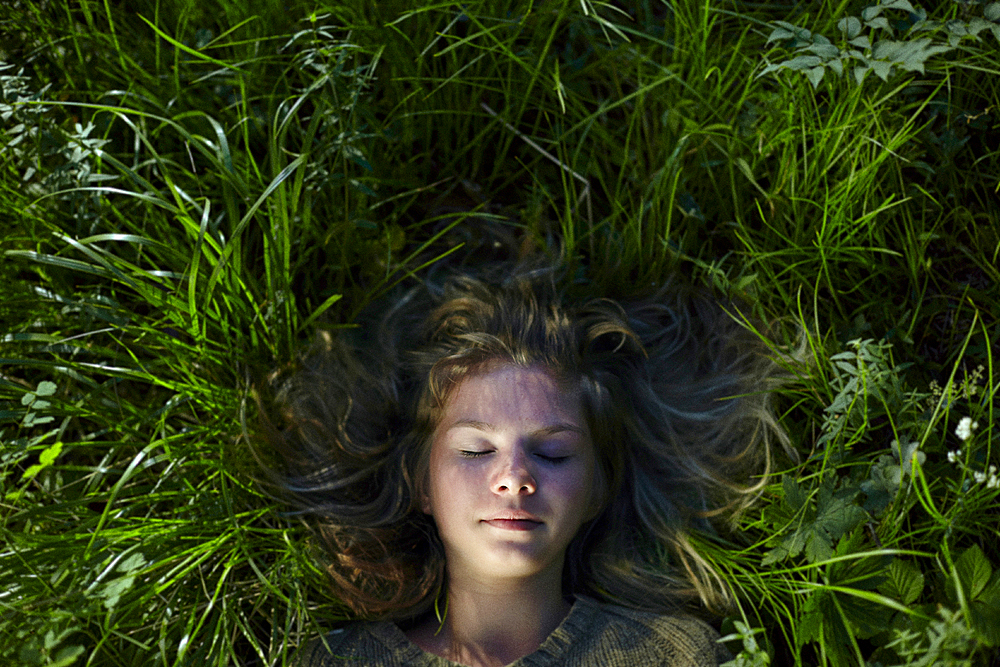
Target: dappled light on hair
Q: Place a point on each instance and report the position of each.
(674, 388)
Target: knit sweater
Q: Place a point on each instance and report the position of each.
(591, 634)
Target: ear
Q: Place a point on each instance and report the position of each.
(425, 503)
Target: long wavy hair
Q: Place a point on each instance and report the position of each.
(675, 387)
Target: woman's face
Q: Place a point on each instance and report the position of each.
(511, 475)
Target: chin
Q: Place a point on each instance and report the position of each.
(514, 563)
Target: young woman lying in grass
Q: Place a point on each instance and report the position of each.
(501, 477)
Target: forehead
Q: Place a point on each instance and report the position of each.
(510, 393)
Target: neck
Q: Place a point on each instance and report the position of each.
(495, 623)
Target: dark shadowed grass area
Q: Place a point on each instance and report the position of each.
(191, 189)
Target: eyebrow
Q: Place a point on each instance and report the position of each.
(551, 429)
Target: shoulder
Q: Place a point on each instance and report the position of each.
(366, 643)
(627, 636)
(320, 652)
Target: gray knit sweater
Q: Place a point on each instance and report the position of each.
(591, 634)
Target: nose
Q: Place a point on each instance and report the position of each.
(513, 475)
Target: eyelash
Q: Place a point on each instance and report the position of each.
(549, 459)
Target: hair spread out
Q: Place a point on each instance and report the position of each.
(674, 386)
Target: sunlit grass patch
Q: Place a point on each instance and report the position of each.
(192, 189)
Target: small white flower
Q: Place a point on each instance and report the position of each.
(980, 477)
(953, 455)
(965, 428)
(993, 483)
(993, 470)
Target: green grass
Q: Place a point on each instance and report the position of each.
(191, 189)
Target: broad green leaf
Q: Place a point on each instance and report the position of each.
(824, 51)
(882, 69)
(795, 542)
(957, 28)
(810, 626)
(986, 620)
(787, 30)
(802, 62)
(985, 611)
(67, 655)
(46, 388)
(905, 582)
(847, 367)
(839, 516)
(910, 55)
(745, 282)
(991, 593)
(794, 497)
(869, 13)
(30, 655)
(832, 631)
(850, 26)
(818, 548)
(836, 514)
(773, 556)
(863, 613)
(973, 571)
(898, 4)
(991, 12)
(977, 25)
(114, 589)
(879, 489)
(815, 75)
(45, 459)
(133, 562)
(32, 419)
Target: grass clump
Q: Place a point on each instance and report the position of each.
(193, 188)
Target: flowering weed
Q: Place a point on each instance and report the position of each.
(191, 190)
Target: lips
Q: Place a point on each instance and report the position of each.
(514, 520)
(514, 524)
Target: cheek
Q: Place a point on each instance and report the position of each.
(446, 487)
(577, 487)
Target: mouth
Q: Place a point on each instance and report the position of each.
(514, 520)
(514, 524)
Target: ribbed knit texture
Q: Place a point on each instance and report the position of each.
(592, 634)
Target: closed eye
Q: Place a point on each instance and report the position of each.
(552, 459)
(472, 454)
